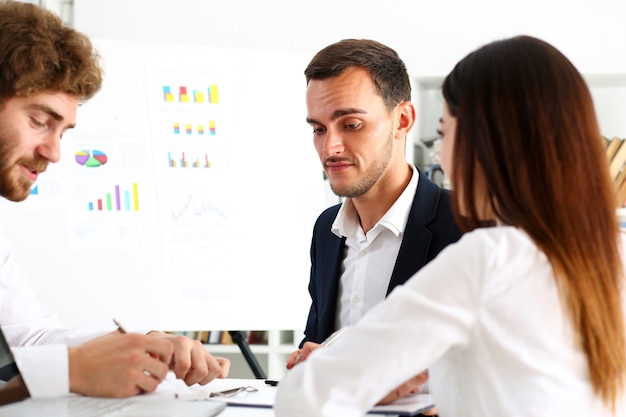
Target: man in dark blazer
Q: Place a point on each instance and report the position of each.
(394, 219)
(430, 228)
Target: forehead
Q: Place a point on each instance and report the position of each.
(352, 88)
(61, 105)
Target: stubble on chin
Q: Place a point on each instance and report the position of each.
(14, 189)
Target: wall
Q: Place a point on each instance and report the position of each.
(430, 36)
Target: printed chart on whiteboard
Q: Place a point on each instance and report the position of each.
(185, 197)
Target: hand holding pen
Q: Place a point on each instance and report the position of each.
(300, 355)
(190, 361)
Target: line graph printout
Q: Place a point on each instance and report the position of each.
(197, 215)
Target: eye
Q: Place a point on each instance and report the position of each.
(353, 126)
(36, 123)
(439, 133)
(318, 130)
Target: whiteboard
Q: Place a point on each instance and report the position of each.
(185, 197)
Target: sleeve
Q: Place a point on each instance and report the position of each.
(428, 317)
(45, 369)
(37, 337)
(311, 322)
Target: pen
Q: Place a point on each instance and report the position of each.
(331, 339)
(271, 382)
(120, 328)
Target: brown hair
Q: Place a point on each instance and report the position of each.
(387, 70)
(526, 127)
(39, 53)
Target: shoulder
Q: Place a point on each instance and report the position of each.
(327, 217)
(497, 236)
(500, 248)
(430, 198)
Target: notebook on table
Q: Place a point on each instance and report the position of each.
(263, 395)
(15, 400)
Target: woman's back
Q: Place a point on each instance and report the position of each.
(520, 357)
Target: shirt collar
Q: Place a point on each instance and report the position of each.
(347, 224)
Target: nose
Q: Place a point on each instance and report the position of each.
(333, 143)
(50, 148)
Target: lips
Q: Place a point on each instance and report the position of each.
(336, 162)
(33, 172)
(335, 167)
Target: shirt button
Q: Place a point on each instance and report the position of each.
(356, 300)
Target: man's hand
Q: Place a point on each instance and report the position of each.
(119, 365)
(191, 362)
(409, 387)
(300, 355)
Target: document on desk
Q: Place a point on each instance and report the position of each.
(264, 397)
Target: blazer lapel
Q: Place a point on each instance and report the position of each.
(415, 244)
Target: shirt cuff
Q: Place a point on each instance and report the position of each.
(44, 368)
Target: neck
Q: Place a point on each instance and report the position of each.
(373, 205)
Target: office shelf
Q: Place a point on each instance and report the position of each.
(608, 92)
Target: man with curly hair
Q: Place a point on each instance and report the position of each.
(46, 71)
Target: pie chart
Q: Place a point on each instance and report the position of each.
(91, 159)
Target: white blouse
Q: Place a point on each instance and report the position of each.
(484, 317)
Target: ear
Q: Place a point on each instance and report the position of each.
(405, 119)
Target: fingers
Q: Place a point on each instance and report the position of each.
(159, 348)
(118, 365)
(154, 373)
(300, 355)
(194, 364)
(185, 362)
(430, 412)
(306, 350)
(224, 365)
(292, 359)
(410, 386)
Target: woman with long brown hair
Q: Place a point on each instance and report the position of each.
(524, 316)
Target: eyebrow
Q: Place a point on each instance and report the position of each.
(338, 113)
(51, 112)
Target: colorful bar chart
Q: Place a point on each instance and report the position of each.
(213, 94)
(183, 97)
(197, 94)
(167, 94)
(118, 200)
(184, 162)
(190, 129)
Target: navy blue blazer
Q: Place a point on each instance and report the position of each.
(430, 228)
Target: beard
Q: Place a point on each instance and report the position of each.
(370, 177)
(13, 185)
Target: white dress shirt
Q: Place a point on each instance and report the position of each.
(37, 338)
(485, 318)
(370, 257)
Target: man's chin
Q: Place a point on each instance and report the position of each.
(16, 195)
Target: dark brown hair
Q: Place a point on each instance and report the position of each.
(39, 53)
(527, 128)
(387, 70)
